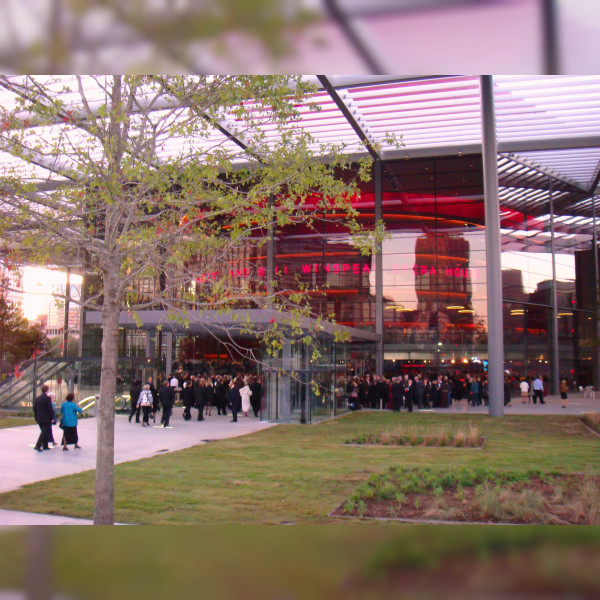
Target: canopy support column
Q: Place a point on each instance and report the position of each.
(492, 250)
(378, 273)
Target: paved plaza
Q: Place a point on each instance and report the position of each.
(20, 465)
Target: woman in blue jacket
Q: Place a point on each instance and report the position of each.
(68, 422)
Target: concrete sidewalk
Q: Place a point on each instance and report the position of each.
(21, 465)
(577, 404)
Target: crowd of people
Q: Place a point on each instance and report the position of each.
(420, 391)
(204, 393)
(439, 391)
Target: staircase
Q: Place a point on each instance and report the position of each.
(20, 393)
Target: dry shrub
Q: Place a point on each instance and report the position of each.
(509, 505)
(558, 495)
(429, 439)
(442, 438)
(460, 439)
(438, 511)
(473, 436)
(413, 437)
(587, 503)
(386, 438)
(592, 420)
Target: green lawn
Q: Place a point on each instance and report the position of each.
(15, 422)
(298, 474)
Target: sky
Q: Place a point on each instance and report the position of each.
(37, 288)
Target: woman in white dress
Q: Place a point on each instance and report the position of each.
(245, 393)
(524, 390)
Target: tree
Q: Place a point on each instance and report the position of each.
(18, 339)
(165, 183)
(157, 36)
(55, 347)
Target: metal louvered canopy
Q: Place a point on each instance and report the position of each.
(546, 125)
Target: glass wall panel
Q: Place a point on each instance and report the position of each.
(434, 264)
(527, 342)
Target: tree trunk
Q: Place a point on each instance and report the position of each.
(105, 451)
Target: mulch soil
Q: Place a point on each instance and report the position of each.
(405, 443)
(449, 506)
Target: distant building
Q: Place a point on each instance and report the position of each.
(56, 311)
(11, 284)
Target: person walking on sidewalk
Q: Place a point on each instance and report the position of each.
(134, 395)
(68, 422)
(43, 414)
(146, 403)
(245, 393)
(234, 399)
(167, 399)
(54, 420)
(524, 390)
(563, 388)
(538, 390)
(187, 395)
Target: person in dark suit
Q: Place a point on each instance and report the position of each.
(234, 400)
(166, 395)
(44, 415)
(383, 393)
(134, 395)
(443, 392)
(221, 395)
(187, 396)
(419, 390)
(208, 392)
(255, 398)
(199, 398)
(427, 393)
(372, 393)
(397, 393)
(409, 393)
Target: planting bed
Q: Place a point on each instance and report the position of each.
(479, 496)
(435, 439)
(592, 420)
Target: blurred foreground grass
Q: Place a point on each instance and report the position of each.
(312, 562)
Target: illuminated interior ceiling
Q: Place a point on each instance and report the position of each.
(547, 127)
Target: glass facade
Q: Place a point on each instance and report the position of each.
(549, 285)
(434, 288)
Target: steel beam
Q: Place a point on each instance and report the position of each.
(523, 161)
(492, 249)
(550, 37)
(554, 342)
(378, 272)
(597, 293)
(563, 143)
(341, 104)
(596, 181)
(357, 37)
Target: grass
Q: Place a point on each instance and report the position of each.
(15, 421)
(333, 563)
(299, 474)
